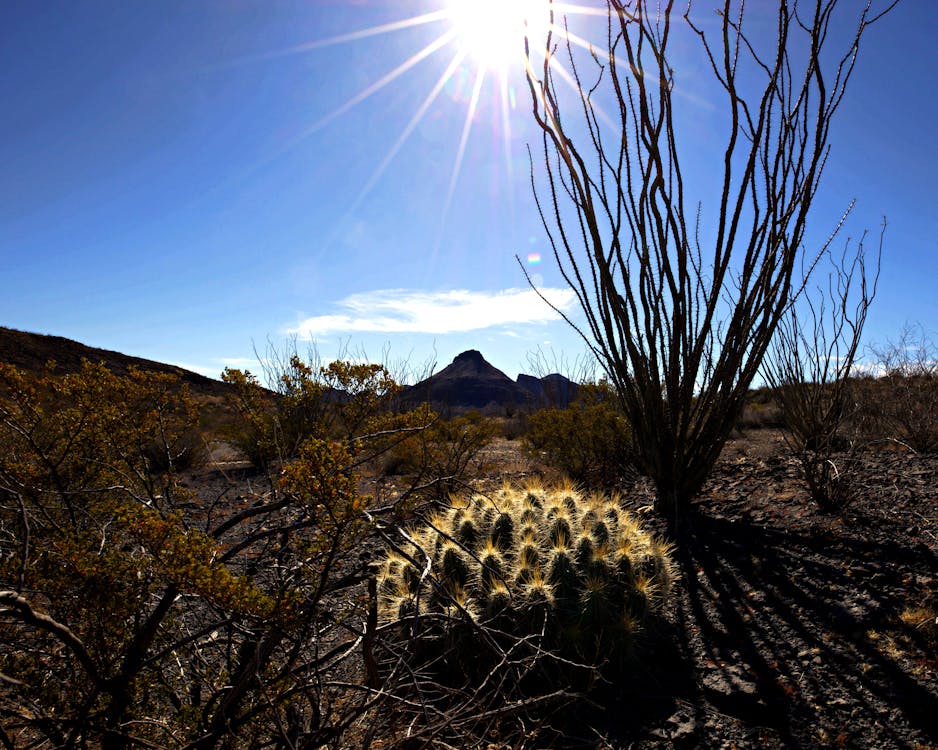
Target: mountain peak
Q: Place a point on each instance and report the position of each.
(470, 356)
(470, 381)
(471, 364)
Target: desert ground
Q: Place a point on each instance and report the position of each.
(788, 627)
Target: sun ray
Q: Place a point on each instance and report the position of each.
(504, 96)
(579, 10)
(456, 37)
(568, 78)
(563, 73)
(577, 40)
(463, 140)
(387, 78)
(352, 36)
(386, 28)
(458, 58)
(370, 90)
(463, 33)
(406, 132)
(590, 47)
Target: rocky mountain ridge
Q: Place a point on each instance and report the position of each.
(32, 351)
(469, 382)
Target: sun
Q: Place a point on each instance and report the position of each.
(483, 41)
(492, 32)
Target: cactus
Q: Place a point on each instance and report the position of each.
(578, 569)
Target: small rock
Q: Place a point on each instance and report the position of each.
(679, 726)
(729, 681)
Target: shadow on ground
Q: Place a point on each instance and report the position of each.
(789, 637)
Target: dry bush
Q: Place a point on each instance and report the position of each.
(590, 440)
(188, 451)
(515, 427)
(255, 430)
(902, 404)
(338, 401)
(810, 365)
(132, 615)
(760, 412)
(446, 451)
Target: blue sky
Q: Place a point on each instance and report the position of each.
(188, 180)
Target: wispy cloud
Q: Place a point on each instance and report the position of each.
(214, 370)
(454, 311)
(242, 362)
(209, 372)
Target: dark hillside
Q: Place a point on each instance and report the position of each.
(469, 382)
(553, 390)
(31, 352)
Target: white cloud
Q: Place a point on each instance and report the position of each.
(214, 371)
(209, 372)
(455, 311)
(242, 363)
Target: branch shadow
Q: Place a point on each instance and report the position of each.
(778, 625)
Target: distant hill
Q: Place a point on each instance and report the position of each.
(31, 352)
(550, 390)
(470, 382)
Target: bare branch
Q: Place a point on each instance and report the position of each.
(19, 607)
(681, 330)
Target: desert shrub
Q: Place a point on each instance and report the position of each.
(820, 433)
(574, 572)
(187, 451)
(336, 401)
(914, 412)
(809, 366)
(832, 480)
(132, 615)
(819, 420)
(760, 412)
(256, 431)
(816, 415)
(447, 452)
(514, 427)
(590, 440)
(358, 392)
(902, 404)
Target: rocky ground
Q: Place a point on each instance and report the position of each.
(791, 628)
(788, 627)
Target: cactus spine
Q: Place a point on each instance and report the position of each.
(578, 568)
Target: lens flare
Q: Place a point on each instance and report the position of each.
(485, 42)
(493, 30)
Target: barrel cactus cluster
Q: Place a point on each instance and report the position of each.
(575, 572)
